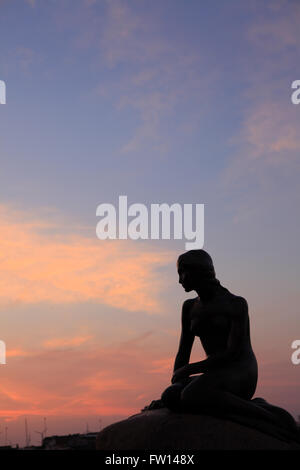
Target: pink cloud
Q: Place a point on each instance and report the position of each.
(162, 366)
(66, 342)
(269, 138)
(88, 381)
(36, 266)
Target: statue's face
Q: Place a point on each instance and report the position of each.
(187, 278)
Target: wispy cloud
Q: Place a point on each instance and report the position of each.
(116, 379)
(18, 353)
(164, 76)
(268, 141)
(39, 267)
(278, 30)
(66, 342)
(32, 3)
(162, 366)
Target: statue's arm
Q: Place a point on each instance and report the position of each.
(186, 338)
(236, 340)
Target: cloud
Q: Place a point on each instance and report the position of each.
(164, 79)
(24, 57)
(162, 366)
(103, 381)
(268, 142)
(66, 342)
(119, 34)
(279, 29)
(39, 265)
(32, 3)
(272, 129)
(91, 380)
(17, 353)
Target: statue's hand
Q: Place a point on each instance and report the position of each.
(154, 405)
(181, 373)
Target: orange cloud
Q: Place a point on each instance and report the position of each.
(66, 342)
(17, 353)
(39, 265)
(105, 381)
(113, 380)
(116, 380)
(162, 366)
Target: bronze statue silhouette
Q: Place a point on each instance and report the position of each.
(228, 376)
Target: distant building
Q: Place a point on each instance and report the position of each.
(32, 448)
(71, 442)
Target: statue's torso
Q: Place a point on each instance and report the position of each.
(211, 322)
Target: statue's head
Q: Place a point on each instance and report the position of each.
(195, 269)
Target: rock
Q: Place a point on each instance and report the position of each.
(163, 429)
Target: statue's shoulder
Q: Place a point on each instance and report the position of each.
(186, 313)
(233, 298)
(188, 304)
(239, 305)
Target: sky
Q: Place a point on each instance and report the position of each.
(165, 102)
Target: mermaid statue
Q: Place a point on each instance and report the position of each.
(224, 383)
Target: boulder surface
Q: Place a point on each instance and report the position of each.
(163, 429)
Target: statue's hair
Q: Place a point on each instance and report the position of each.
(200, 260)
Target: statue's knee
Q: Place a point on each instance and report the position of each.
(171, 396)
(169, 393)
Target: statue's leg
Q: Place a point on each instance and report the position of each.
(282, 414)
(212, 393)
(171, 397)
